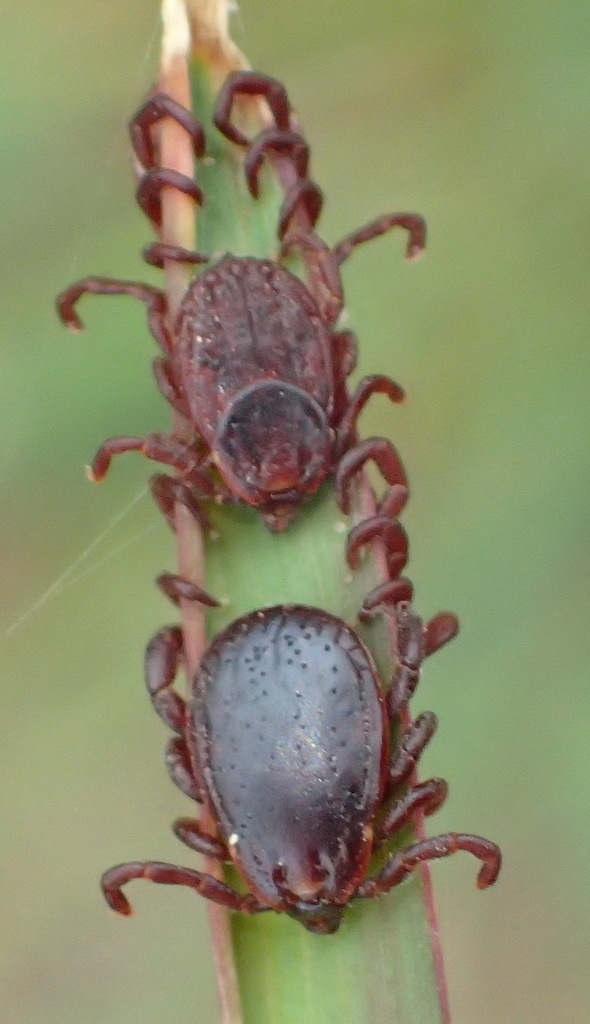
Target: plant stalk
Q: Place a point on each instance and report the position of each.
(385, 963)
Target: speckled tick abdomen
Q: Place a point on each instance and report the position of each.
(290, 738)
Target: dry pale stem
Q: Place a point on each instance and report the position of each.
(178, 228)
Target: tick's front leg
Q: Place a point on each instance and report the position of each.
(169, 874)
(401, 864)
(160, 448)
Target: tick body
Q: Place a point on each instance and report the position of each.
(255, 363)
(290, 728)
(255, 360)
(285, 738)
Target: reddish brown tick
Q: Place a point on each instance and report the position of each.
(254, 360)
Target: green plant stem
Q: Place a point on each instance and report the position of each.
(384, 964)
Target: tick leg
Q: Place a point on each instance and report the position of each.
(250, 83)
(178, 589)
(325, 276)
(160, 448)
(401, 864)
(383, 454)
(157, 252)
(191, 834)
(411, 654)
(407, 754)
(178, 763)
(168, 386)
(169, 874)
(152, 111)
(375, 383)
(154, 298)
(344, 352)
(289, 144)
(425, 797)
(148, 193)
(394, 501)
(413, 223)
(442, 628)
(391, 534)
(167, 491)
(344, 348)
(303, 198)
(391, 592)
(163, 657)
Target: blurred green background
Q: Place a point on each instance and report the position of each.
(475, 115)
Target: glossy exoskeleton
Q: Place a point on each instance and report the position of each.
(253, 360)
(286, 739)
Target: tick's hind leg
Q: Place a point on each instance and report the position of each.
(163, 658)
(415, 640)
(439, 631)
(303, 196)
(154, 299)
(391, 592)
(401, 864)
(156, 253)
(424, 797)
(167, 491)
(413, 223)
(325, 284)
(149, 190)
(159, 447)
(250, 83)
(283, 143)
(149, 114)
(155, 178)
(169, 874)
(178, 763)
(191, 834)
(374, 384)
(386, 530)
(178, 589)
(386, 458)
(409, 749)
(305, 199)
(169, 387)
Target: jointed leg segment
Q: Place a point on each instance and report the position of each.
(425, 797)
(373, 384)
(149, 190)
(250, 83)
(167, 491)
(191, 834)
(160, 448)
(385, 456)
(413, 223)
(169, 874)
(154, 298)
(407, 754)
(401, 864)
(289, 144)
(391, 534)
(178, 589)
(149, 114)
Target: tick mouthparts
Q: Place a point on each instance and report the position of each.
(279, 519)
